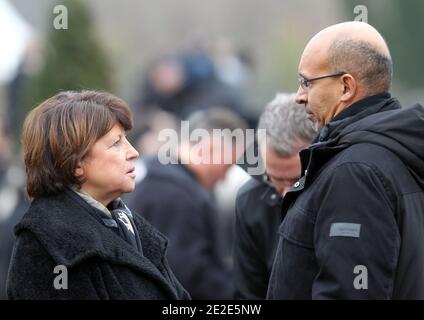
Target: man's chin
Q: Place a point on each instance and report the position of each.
(315, 123)
(312, 118)
(317, 126)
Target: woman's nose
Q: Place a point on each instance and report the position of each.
(132, 153)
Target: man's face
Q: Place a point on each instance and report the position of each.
(222, 155)
(321, 97)
(283, 172)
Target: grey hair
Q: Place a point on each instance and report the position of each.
(287, 126)
(359, 58)
(217, 118)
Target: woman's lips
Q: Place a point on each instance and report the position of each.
(131, 172)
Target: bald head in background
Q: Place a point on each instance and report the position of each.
(355, 63)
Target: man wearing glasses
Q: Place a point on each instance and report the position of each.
(354, 224)
(258, 204)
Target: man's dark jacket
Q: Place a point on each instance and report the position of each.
(171, 198)
(258, 216)
(65, 230)
(354, 227)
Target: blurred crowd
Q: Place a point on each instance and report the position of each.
(222, 222)
(173, 88)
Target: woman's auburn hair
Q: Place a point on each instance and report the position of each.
(60, 132)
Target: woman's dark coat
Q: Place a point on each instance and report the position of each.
(64, 230)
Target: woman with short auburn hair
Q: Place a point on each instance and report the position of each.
(78, 240)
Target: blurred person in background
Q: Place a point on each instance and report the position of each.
(78, 163)
(12, 203)
(146, 137)
(148, 128)
(235, 66)
(258, 203)
(164, 86)
(186, 82)
(176, 199)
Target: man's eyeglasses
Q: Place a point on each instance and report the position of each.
(305, 83)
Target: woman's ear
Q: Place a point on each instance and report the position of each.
(79, 170)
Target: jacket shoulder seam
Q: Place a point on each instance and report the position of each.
(378, 174)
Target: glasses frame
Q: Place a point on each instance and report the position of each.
(305, 83)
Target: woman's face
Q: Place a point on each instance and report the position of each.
(109, 168)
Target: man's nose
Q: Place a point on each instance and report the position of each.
(301, 96)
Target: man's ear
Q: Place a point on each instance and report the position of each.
(350, 88)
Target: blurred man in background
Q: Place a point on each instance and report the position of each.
(258, 205)
(175, 198)
(12, 203)
(186, 82)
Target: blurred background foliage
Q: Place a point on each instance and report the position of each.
(73, 58)
(401, 24)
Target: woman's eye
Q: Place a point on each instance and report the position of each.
(116, 143)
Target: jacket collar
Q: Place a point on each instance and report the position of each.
(271, 197)
(91, 201)
(361, 105)
(328, 143)
(330, 133)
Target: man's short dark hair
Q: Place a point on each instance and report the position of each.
(359, 58)
(216, 118)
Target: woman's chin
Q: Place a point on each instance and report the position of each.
(129, 188)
